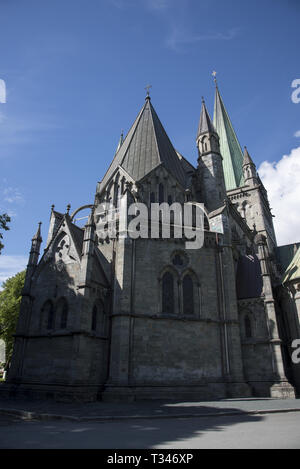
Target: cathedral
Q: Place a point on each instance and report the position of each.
(127, 319)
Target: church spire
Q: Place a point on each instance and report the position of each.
(229, 144)
(145, 147)
(210, 168)
(247, 157)
(249, 169)
(33, 257)
(205, 123)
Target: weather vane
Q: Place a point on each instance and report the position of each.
(148, 88)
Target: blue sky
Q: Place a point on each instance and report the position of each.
(75, 73)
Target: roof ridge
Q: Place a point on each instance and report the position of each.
(147, 145)
(125, 146)
(182, 175)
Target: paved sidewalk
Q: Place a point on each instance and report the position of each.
(103, 411)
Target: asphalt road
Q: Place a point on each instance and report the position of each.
(244, 431)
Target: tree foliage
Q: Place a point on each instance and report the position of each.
(4, 220)
(10, 300)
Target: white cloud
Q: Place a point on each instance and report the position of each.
(12, 195)
(297, 134)
(2, 91)
(179, 37)
(11, 199)
(282, 181)
(157, 4)
(23, 129)
(10, 266)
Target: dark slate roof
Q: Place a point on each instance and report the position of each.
(248, 277)
(58, 215)
(188, 168)
(205, 123)
(77, 234)
(145, 147)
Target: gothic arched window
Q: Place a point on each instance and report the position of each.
(168, 293)
(248, 328)
(118, 196)
(152, 198)
(62, 312)
(204, 144)
(48, 313)
(188, 294)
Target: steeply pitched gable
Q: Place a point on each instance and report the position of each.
(145, 147)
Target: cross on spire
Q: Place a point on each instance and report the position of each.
(148, 88)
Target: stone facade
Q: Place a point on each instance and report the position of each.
(142, 318)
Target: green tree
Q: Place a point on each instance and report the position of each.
(10, 300)
(4, 220)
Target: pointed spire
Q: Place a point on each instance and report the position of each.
(247, 158)
(249, 169)
(146, 146)
(37, 235)
(34, 254)
(120, 141)
(205, 123)
(229, 144)
(90, 220)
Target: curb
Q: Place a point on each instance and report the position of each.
(27, 415)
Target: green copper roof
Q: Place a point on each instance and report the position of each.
(293, 270)
(229, 145)
(285, 254)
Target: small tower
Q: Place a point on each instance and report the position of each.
(33, 256)
(210, 167)
(88, 251)
(249, 169)
(35, 247)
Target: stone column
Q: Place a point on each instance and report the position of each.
(281, 387)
